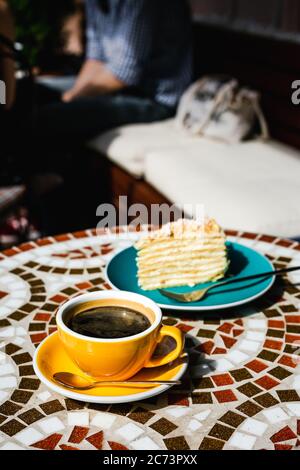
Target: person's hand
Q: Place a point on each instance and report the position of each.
(85, 82)
(94, 79)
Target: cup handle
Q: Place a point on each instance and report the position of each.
(177, 335)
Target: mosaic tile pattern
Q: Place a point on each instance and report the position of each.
(242, 390)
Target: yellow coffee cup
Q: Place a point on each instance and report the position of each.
(121, 358)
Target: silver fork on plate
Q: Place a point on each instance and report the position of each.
(197, 295)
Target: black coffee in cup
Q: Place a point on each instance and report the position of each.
(108, 322)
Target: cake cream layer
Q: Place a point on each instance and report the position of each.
(182, 250)
(180, 279)
(190, 265)
(182, 253)
(187, 269)
(160, 243)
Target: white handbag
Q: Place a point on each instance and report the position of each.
(216, 107)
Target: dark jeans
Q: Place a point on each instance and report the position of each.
(76, 122)
(60, 131)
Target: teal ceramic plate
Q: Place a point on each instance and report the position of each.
(121, 273)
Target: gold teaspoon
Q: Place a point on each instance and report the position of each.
(76, 382)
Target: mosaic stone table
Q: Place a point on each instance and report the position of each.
(242, 390)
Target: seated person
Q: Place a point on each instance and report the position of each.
(138, 64)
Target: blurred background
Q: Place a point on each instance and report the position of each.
(49, 31)
(52, 30)
(258, 42)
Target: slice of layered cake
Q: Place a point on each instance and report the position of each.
(182, 253)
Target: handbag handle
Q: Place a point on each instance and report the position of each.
(227, 88)
(220, 97)
(254, 99)
(265, 134)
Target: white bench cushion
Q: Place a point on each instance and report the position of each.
(127, 146)
(251, 186)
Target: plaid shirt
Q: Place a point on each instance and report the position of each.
(144, 43)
